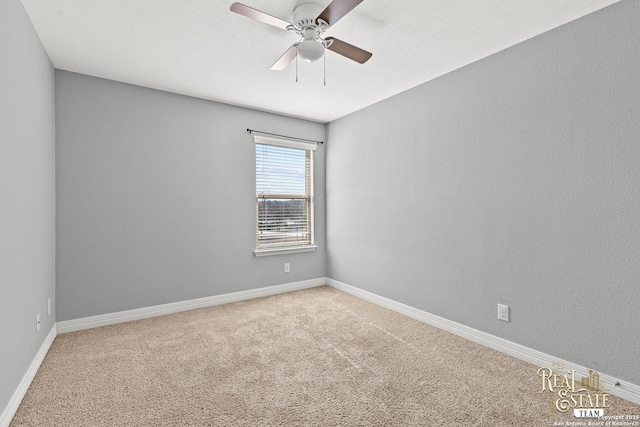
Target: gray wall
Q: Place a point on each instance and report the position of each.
(27, 195)
(514, 180)
(156, 198)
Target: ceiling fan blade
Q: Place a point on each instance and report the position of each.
(337, 9)
(349, 51)
(286, 58)
(257, 15)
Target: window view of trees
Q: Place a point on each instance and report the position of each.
(283, 221)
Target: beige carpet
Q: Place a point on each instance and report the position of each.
(314, 357)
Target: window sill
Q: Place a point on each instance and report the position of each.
(284, 251)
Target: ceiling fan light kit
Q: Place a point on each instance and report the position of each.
(310, 22)
(310, 50)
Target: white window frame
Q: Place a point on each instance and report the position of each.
(283, 250)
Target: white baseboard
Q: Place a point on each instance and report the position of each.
(18, 395)
(159, 310)
(625, 390)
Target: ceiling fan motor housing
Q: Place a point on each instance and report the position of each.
(305, 14)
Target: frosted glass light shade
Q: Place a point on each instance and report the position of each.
(310, 50)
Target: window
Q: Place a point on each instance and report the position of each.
(284, 196)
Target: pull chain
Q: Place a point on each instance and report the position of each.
(324, 67)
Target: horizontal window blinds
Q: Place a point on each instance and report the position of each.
(284, 202)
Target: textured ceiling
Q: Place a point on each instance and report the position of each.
(200, 48)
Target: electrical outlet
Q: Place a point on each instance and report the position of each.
(49, 307)
(503, 312)
(287, 267)
(37, 322)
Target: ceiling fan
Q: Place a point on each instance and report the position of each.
(310, 21)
